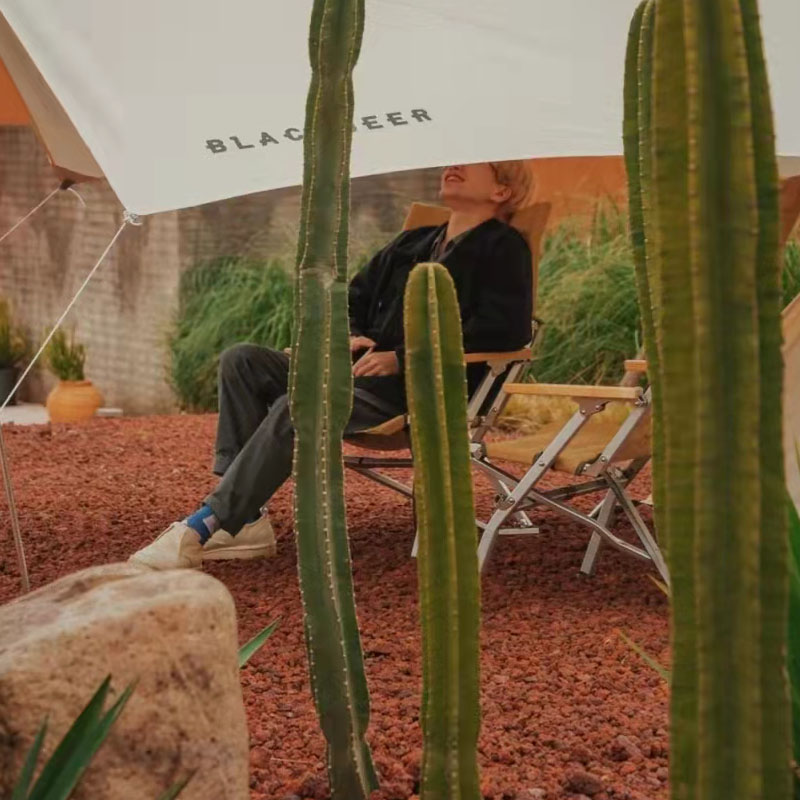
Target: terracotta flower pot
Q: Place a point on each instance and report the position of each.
(73, 401)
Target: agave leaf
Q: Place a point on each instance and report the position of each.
(247, 651)
(660, 584)
(177, 788)
(79, 745)
(646, 657)
(73, 740)
(24, 782)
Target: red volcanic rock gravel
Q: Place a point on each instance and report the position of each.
(568, 710)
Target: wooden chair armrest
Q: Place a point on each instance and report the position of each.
(479, 358)
(625, 393)
(488, 358)
(636, 365)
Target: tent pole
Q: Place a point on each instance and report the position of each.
(12, 507)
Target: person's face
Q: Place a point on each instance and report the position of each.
(472, 184)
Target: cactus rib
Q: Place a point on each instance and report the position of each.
(775, 750)
(676, 377)
(638, 159)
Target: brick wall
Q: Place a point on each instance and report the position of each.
(125, 314)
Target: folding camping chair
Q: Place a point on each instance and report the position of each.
(609, 455)
(483, 409)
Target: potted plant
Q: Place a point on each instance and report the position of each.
(13, 348)
(74, 399)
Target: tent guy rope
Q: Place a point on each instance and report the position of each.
(128, 219)
(36, 208)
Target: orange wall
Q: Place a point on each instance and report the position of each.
(574, 185)
(12, 109)
(790, 206)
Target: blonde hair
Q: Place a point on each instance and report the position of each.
(516, 176)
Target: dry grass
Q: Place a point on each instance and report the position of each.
(526, 415)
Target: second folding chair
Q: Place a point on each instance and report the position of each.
(607, 455)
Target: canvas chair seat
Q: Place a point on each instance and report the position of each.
(585, 448)
(389, 435)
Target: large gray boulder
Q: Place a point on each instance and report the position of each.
(173, 632)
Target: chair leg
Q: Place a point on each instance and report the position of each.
(642, 531)
(506, 509)
(520, 517)
(602, 513)
(526, 484)
(489, 537)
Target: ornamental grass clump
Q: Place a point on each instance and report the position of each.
(66, 357)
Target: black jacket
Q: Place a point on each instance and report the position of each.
(491, 268)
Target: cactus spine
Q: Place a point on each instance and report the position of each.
(449, 584)
(712, 264)
(321, 401)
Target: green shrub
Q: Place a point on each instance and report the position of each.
(66, 357)
(13, 343)
(587, 301)
(224, 302)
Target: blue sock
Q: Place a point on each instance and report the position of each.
(204, 522)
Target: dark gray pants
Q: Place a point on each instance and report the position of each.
(255, 438)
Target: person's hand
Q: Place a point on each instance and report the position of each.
(373, 364)
(360, 343)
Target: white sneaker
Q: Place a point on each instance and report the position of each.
(177, 547)
(256, 540)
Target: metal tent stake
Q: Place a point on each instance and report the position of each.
(12, 509)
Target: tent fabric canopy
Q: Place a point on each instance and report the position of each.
(187, 102)
(31, 95)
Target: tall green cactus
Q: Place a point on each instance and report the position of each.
(676, 377)
(321, 401)
(715, 302)
(449, 584)
(724, 219)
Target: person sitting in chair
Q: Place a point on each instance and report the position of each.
(490, 263)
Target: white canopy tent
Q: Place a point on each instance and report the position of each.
(189, 101)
